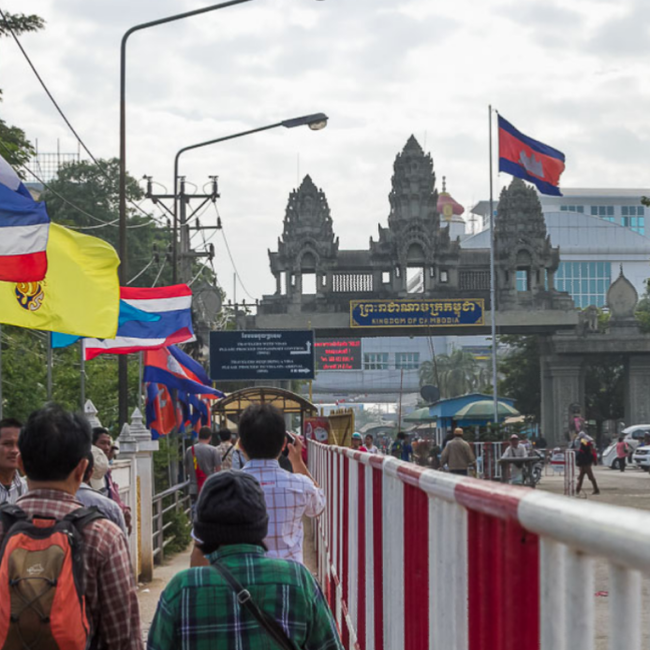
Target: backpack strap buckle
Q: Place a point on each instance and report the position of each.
(243, 596)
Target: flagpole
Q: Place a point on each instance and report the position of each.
(493, 302)
(140, 381)
(82, 375)
(49, 366)
(1, 372)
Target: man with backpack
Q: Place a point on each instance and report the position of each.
(401, 448)
(226, 448)
(201, 461)
(244, 598)
(91, 583)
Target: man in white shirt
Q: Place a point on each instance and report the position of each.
(288, 496)
(515, 450)
(12, 486)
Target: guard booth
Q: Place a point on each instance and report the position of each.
(229, 408)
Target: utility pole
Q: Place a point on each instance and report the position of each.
(186, 255)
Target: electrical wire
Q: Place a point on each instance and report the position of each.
(160, 270)
(58, 108)
(133, 279)
(232, 261)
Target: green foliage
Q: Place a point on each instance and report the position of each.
(20, 24)
(178, 532)
(95, 189)
(643, 310)
(456, 374)
(520, 370)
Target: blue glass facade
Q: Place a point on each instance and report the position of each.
(587, 282)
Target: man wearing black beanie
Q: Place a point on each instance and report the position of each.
(200, 609)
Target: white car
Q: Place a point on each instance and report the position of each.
(642, 457)
(633, 436)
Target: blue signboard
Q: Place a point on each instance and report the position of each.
(417, 313)
(250, 355)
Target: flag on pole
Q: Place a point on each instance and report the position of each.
(529, 159)
(175, 369)
(24, 230)
(127, 313)
(173, 308)
(80, 294)
(159, 411)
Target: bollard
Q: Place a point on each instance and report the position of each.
(570, 473)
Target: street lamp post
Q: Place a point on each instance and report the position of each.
(315, 122)
(123, 359)
(123, 409)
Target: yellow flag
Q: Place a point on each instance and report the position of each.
(80, 293)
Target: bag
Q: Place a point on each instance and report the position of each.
(270, 625)
(42, 602)
(201, 476)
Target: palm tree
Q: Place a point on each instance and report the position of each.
(458, 373)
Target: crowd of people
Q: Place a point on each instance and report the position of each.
(247, 586)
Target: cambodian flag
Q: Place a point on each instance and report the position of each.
(24, 230)
(175, 369)
(529, 159)
(173, 306)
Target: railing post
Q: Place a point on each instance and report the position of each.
(91, 414)
(128, 447)
(136, 442)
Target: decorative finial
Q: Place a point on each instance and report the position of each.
(620, 270)
(444, 183)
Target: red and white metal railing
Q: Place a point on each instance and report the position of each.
(423, 560)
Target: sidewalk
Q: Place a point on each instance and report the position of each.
(149, 594)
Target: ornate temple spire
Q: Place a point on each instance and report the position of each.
(308, 213)
(413, 195)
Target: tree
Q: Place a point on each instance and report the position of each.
(520, 370)
(94, 188)
(15, 148)
(456, 374)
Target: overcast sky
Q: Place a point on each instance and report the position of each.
(575, 78)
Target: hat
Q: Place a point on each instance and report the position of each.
(231, 510)
(357, 436)
(100, 467)
(514, 436)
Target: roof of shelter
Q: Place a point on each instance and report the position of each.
(284, 400)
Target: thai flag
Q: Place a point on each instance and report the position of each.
(529, 159)
(24, 230)
(175, 369)
(174, 307)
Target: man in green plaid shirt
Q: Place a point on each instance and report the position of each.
(199, 610)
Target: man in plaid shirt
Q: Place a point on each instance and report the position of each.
(199, 610)
(54, 446)
(289, 497)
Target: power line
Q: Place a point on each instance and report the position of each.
(162, 266)
(58, 108)
(232, 261)
(133, 279)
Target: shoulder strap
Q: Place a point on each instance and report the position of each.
(81, 517)
(10, 514)
(270, 625)
(226, 454)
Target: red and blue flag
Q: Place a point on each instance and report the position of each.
(175, 369)
(162, 417)
(24, 230)
(529, 159)
(172, 308)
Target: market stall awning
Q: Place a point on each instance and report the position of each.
(484, 410)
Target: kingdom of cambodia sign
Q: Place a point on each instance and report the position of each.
(417, 313)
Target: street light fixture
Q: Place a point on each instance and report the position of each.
(122, 271)
(315, 122)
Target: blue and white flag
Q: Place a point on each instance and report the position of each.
(24, 230)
